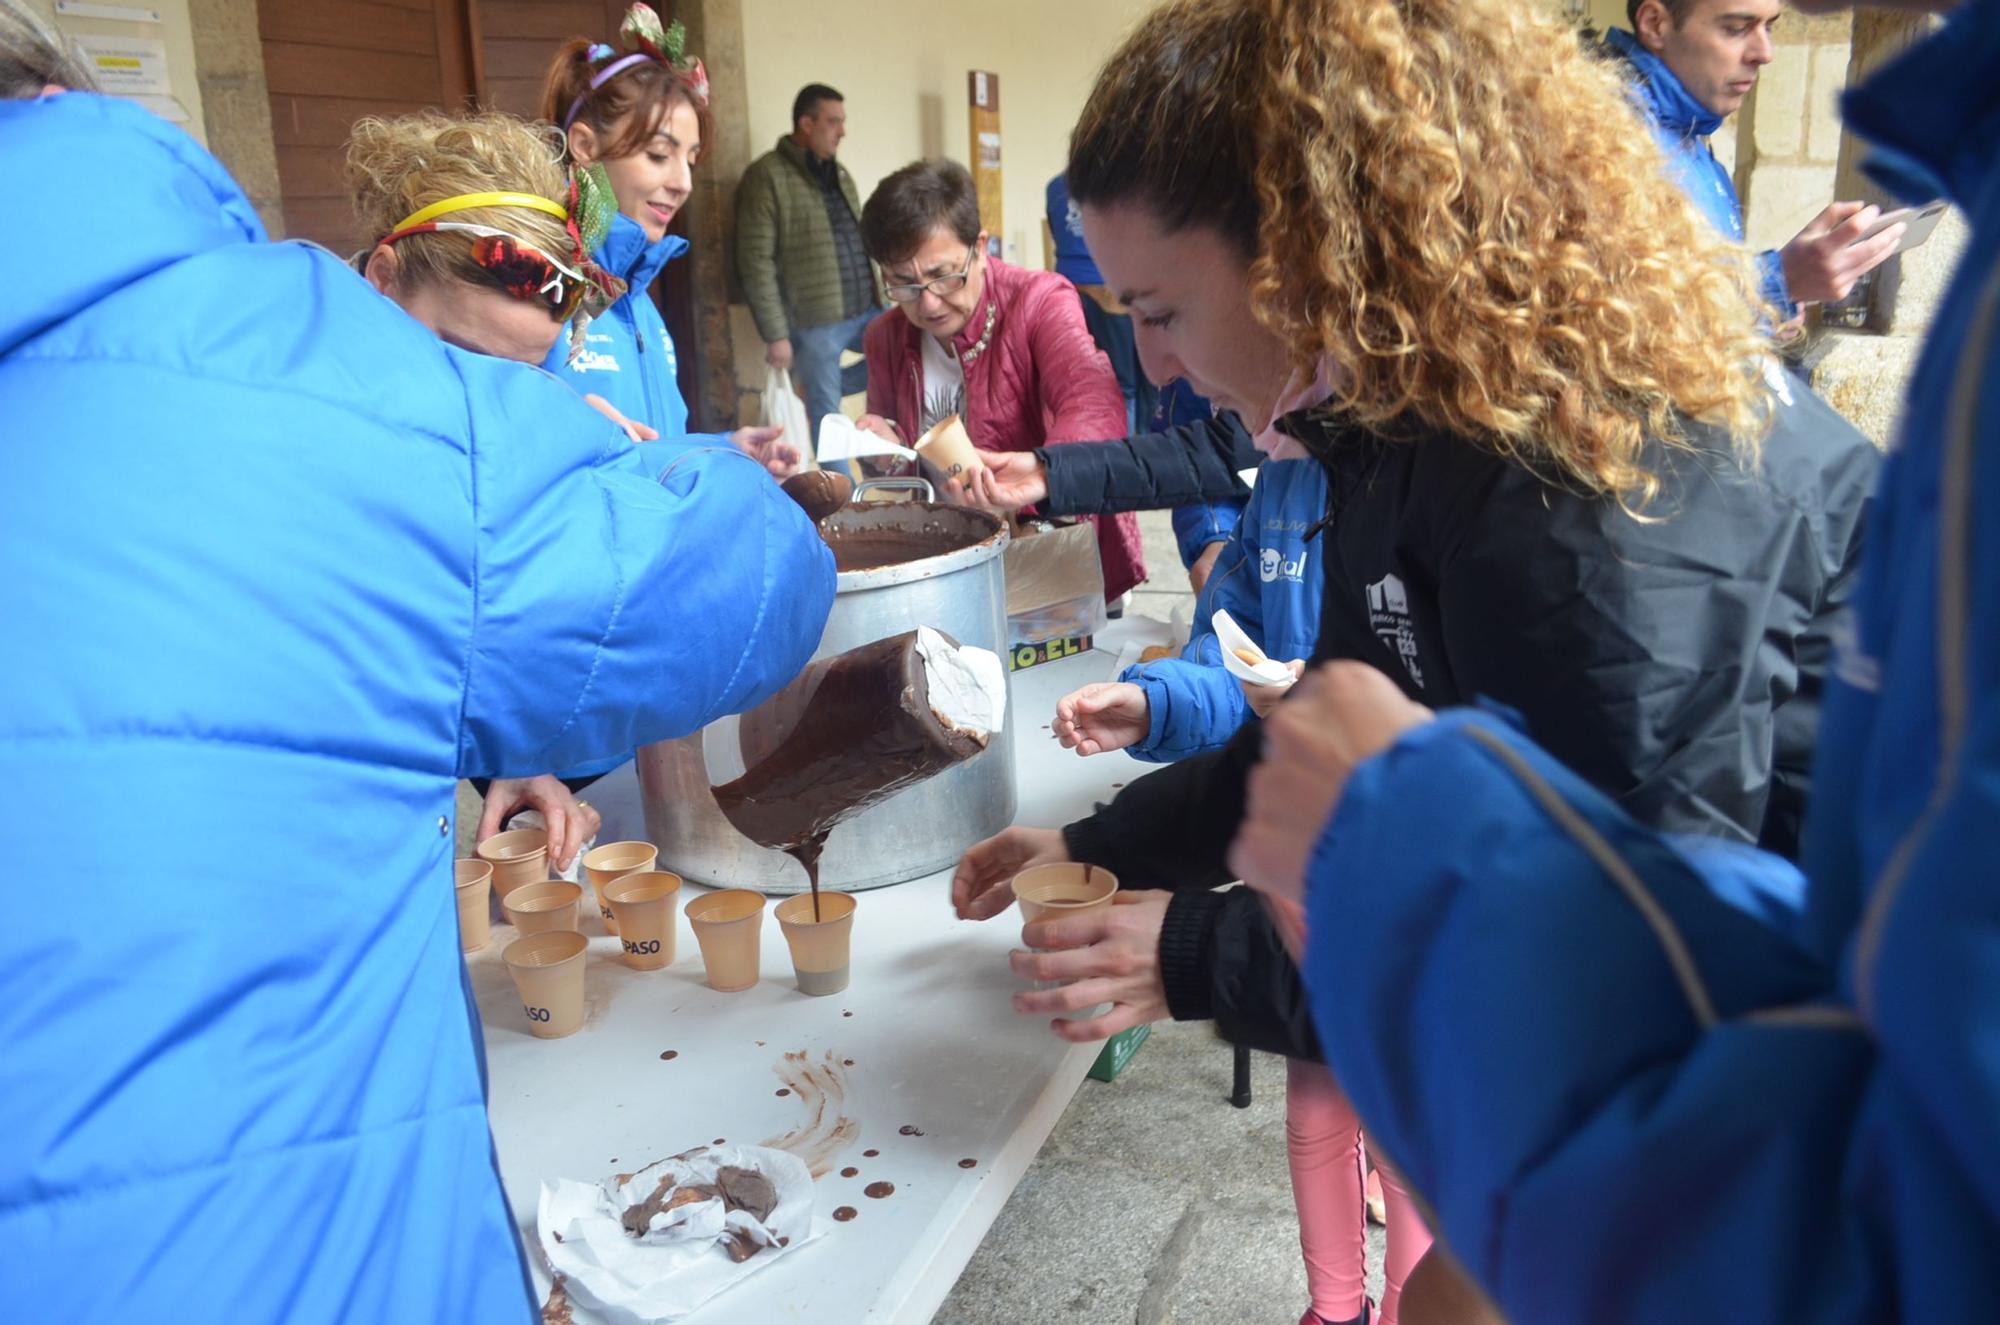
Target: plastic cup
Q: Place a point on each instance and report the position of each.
(1052, 892)
(538, 908)
(819, 947)
(1048, 892)
(948, 447)
(728, 926)
(473, 880)
(644, 905)
(614, 860)
(519, 856)
(548, 971)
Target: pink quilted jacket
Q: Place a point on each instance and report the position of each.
(1040, 381)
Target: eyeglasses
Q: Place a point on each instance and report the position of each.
(937, 285)
(522, 270)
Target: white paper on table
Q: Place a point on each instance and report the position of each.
(680, 1263)
(840, 440)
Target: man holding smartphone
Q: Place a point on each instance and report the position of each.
(1694, 61)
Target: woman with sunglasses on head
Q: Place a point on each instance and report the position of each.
(639, 112)
(476, 241)
(1003, 348)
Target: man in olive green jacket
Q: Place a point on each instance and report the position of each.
(798, 251)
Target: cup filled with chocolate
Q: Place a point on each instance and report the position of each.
(819, 929)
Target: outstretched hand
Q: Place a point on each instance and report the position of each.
(983, 884)
(1108, 715)
(1008, 481)
(766, 444)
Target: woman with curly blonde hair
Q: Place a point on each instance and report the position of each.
(474, 238)
(1428, 243)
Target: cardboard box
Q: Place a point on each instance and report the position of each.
(1055, 586)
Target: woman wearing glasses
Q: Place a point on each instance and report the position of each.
(1004, 349)
(640, 111)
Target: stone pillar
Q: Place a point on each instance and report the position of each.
(715, 32)
(229, 66)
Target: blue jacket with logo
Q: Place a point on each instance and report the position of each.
(628, 355)
(1683, 125)
(1624, 1098)
(281, 568)
(1269, 580)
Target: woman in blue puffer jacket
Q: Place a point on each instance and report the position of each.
(283, 567)
(640, 113)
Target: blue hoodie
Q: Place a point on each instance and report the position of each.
(1623, 1097)
(628, 355)
(281, 568)
(1270, 582)
(1683, 125)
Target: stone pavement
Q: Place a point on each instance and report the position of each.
(1154, 1202)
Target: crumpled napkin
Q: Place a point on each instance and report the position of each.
(681, 1261)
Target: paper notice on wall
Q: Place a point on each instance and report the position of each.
(128, 66)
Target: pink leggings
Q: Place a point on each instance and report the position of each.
(1323, 1139)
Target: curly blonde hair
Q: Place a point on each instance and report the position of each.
(1460, 205)
(396, 166)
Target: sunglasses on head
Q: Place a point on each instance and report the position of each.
(524, 271)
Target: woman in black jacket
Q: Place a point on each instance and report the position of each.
(1566, 474)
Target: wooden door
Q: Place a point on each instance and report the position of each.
(330, 62)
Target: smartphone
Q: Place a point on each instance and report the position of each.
(1920, 220)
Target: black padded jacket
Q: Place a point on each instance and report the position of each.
(1195, 462)
(1675, 661)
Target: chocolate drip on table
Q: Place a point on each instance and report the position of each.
(872, 732)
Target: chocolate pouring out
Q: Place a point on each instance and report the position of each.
(848, 733)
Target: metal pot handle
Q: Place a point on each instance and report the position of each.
(898, 483)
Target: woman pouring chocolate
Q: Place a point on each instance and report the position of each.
(478, 243)
(1564, 472)
(329, 564)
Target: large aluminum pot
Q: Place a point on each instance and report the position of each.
(950, 579)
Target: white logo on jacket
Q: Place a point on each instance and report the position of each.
(594, 361)
(1273, 565)
(1389, 618)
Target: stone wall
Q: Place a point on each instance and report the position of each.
(229, 65)
(1788, 134)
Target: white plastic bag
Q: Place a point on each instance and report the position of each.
(782, 405)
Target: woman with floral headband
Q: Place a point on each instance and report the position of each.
(638, 113)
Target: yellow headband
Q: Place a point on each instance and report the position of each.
(467, 201)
